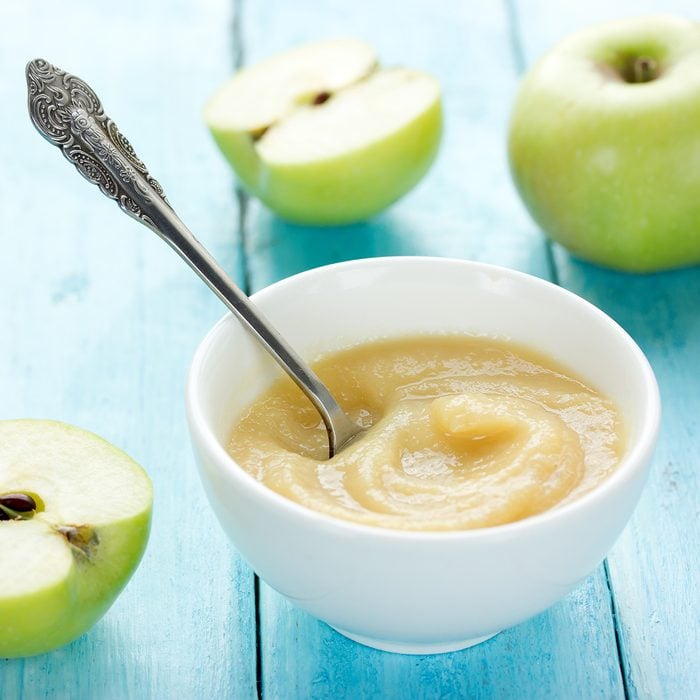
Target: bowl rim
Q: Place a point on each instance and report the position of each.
(635, 460)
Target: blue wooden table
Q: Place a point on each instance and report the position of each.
(98, 320)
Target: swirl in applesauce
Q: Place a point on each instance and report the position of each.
(464, 432)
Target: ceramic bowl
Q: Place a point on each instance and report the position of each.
(418, 592)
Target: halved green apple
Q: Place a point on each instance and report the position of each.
(322, 135)
(74, 521)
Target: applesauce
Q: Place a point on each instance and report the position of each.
(462, 432)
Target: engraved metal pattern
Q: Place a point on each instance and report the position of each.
(69, 114)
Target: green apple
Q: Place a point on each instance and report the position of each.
(74, 520)
(322, 135)
(604, 143)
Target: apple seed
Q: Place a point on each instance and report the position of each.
(14, 506)
(321, 98)
(257, 134)
(21, 502)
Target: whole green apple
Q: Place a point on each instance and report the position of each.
(323, 136)
(74, 521)
(604, 143)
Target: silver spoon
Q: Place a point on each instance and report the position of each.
(69, 115)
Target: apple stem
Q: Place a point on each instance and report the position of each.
(644, 69)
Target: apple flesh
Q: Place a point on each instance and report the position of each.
(604, 143)
(323, 136)
(74, 521)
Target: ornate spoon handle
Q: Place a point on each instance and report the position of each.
(69, 115)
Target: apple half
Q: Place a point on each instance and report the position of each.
(75, 516)
(604, 143)
(322, 135)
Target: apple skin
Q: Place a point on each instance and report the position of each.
(343, 189)
(56, 614)
(611, 169)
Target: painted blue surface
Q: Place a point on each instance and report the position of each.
(99, 320)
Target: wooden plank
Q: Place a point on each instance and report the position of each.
(654, 569)
(465, 208)
(99, 319)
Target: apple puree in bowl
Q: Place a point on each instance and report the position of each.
(463, 432)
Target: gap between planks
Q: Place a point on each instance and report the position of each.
(618, 636)
(242, 200)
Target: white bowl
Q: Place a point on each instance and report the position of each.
(418, 592)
